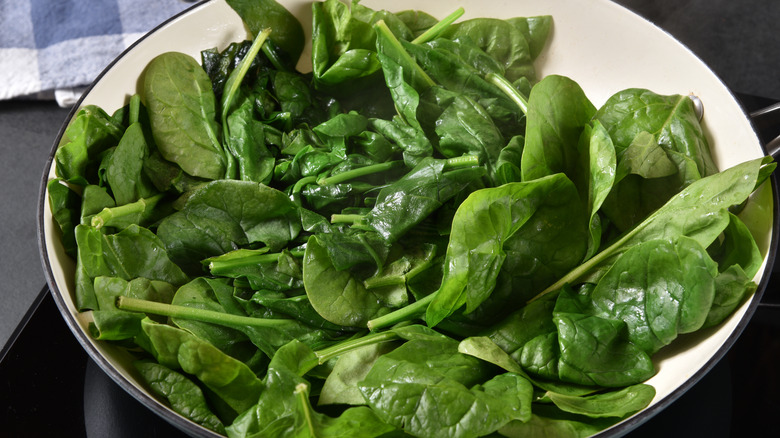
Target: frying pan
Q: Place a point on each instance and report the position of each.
(601, 45)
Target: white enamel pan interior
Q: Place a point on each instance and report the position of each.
(599, 44)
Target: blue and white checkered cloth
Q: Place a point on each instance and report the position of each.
(49, 46)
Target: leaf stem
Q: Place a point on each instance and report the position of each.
(235, 79)
(414, 310)
(218, 266)
(509, 89)
(132, 212)
(359, 172)
(462, 161)
(302, 391)
(406, 58)
(439, 27)
(302, 182)
(134, 109)
(337, 218)
(204, 315)
(346, 346)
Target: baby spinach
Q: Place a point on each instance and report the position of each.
(263, 239)
(224, 214)
(338, 295)
(184, 396)
(512, 223)
(182, 110)
(229, 379)
(90, 133)
(429, 379)
(268, 14)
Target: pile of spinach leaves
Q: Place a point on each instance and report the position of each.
(418, 237)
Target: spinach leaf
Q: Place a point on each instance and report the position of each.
(341, 386)
(587, 350)
(558, 111)
(111, 323)
(130, 253)
(183, 395)
(217, 295)
(337, 295)
(125, 173)
(226, 214)
(465, 128)
(65, 205)
(485, 349)
(182, 110)
(246, 142)
(509, 161)
(620, 403)
(231, 381)
(428, 379)
(268, 14)
(283, 408)
(660, 289)
(670, 119)
(343, 47)
(732, 287)
(598, 154)
(406, 202)
(87, 136)
(510, 224)
(536, 31)
(500, 39)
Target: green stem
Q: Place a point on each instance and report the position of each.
(218, 266)
(360, 172)
(302, 182)
(344, 347)
(509, 89)
(134, 109)
(375, 282)
(439, 27)
(412, 311)
(237, 77)
(204, 315)
(132, 212)
(406, 58)
(461, 162)
(345, 218)
(302, 391)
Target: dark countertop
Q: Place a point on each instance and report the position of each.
(738, 40)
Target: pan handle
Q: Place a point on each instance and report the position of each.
(767, 121)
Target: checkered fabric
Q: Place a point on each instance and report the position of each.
(48, 45)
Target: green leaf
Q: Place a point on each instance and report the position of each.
(337, 295)
(182, 110)
(513, 222)
(230, 380)
(288, 33)
(558, 111)
(619, 403)
(224, 214)
(427, 388)
(90, 134)
(125, 173)
(183, 395)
